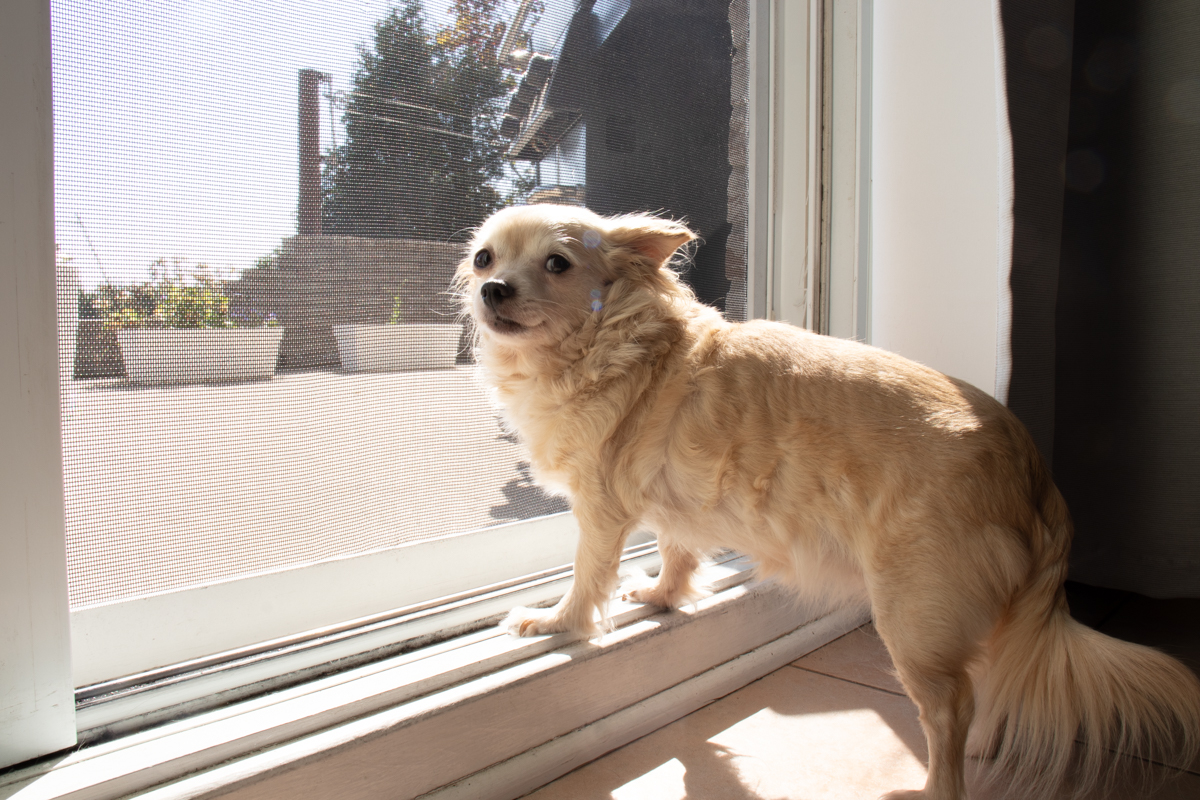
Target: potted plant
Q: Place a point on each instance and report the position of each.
(178, 328)
(397, 346)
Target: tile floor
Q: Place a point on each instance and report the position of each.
(835, 724)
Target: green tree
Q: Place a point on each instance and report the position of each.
(422, 152)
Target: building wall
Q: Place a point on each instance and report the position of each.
(319, 281)
(315, 282)
(738, 187)
(658, 126)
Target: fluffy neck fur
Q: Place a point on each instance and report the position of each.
(596, 376)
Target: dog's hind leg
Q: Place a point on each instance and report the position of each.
(946, 705)
(932, 641)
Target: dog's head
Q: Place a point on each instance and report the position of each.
(535, 274)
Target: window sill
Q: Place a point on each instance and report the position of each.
(485, 715)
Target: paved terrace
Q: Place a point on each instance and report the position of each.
(176, 486)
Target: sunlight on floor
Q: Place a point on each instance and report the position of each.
(794, 733)
(760, 757)
(832, 725)
(665, 781)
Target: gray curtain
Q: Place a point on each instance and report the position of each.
(1037, 47)
(1106, 276)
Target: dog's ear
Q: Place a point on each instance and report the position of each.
(653, 238)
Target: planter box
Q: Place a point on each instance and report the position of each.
(396, 348)
(170, 355)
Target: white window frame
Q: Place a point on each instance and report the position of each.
(789, 43)
(109, 643)
(37, 713)
(848, 115)
(811, 166)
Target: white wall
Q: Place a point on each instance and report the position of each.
(941, 188)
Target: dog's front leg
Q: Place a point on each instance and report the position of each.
(597, 558)
(676, 583)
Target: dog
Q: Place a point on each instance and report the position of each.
(843, 470)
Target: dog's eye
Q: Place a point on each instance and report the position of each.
(557, 264)
(483, 259)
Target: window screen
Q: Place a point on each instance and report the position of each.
(261, 207)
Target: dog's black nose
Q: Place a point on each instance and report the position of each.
(494, 291)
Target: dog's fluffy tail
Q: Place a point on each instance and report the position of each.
(1059, 699)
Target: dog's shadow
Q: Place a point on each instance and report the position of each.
(524, 499)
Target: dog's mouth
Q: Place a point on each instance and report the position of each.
(503, 325)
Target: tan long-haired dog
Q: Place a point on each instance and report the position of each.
(842, 469)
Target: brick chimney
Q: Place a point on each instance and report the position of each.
(309, 211)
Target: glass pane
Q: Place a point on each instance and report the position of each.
(262, 206)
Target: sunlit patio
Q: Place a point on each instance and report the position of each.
(173, 486)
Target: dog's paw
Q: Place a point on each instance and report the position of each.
(540, 622)
(523, 621)
(638, 587)
(651, 595)
(642, 589)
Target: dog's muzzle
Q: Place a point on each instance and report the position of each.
(494, 292)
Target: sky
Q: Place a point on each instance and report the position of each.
(175, 124)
